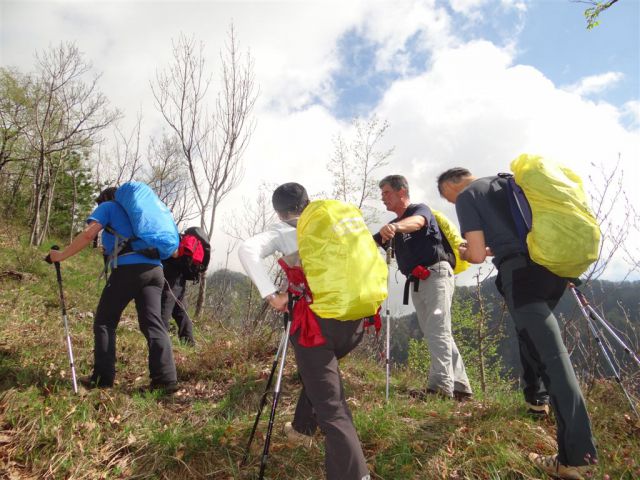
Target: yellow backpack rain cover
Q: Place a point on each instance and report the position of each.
(344, 269)
(565, 235)
(452, 234)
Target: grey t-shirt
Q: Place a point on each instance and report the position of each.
(484, 205)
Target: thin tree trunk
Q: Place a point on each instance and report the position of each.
(201, 294)
(74, 200)
(37, 202)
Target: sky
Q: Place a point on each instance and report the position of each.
(470, 83)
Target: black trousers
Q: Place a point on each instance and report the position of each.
(322, 402)
(143, 284)
(174, 289)
(534, 389)
(529, 291)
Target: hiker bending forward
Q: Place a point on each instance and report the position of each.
(417, 242)
(531, 292)
(137, 278)
(321, 403)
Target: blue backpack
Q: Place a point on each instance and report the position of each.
(155, 232)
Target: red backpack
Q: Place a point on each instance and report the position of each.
(194, 253)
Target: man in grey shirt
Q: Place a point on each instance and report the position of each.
(531, 292)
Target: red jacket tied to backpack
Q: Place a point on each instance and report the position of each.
(191, 247)
(194, 253)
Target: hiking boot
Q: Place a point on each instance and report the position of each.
(90, 383)
(550, 465)
(165, 388)
(462, 396)
(538, 410)
(295, 438)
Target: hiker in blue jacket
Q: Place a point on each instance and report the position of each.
(133, 277)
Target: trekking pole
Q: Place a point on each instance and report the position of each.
(594, 315)
(590, 314)
(263, 400)
(64, 318)
(389, 252)
(276, 394)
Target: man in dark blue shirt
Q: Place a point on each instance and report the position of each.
(417, 242)
(133, 277)
(530, 292)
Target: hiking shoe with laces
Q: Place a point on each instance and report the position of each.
(538, 410)
(90, 383)
(461, 396)
(164, 388)
(550, 465)
(295, 438)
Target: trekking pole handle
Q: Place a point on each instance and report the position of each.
(56, 264)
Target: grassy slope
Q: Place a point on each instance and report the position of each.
(48, 432)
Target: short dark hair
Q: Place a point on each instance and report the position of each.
(396, 182)
(290, 198)
(453, 175)
(106, 195)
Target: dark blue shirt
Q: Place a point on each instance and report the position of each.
(422, 247)
(484, 206)
(113, 215)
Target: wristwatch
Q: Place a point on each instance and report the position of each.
(271, 296)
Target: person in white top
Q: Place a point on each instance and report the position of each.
(321, 403)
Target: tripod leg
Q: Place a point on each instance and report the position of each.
(274, 405)
(263, 399)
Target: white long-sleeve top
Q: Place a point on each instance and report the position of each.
(281, 237)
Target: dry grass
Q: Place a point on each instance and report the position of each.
(47, 432)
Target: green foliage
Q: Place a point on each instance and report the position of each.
(592, 14)
(74, 200)
(418, 357)
(478, 341)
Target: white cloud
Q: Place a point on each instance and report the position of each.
(595, 83)
(631, 111)
(473, 106)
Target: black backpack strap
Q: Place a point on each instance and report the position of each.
(520, 209)
(121, 246)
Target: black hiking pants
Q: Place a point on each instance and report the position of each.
(142, 283)
(174, 305)
(322, 401)
(529, 290)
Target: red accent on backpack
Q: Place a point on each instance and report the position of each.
(190, 246)
(302, 317)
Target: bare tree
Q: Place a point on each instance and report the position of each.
(13, 115)
(212, 144)
(169, 178)
(353, 164)
(614, 214)
(256, 217)
(66, 113)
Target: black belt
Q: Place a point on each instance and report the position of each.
(416, 284)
